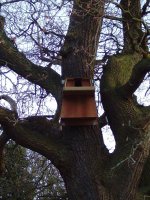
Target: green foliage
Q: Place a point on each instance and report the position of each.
(16, 180)
(47, 180)
(29, 176)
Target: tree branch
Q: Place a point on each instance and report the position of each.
(12, 103)
(46, 78)
(137, 76)
(145, 6)
(13, 1)
(113, 18)
(134, 37)
(35, 134)
(102, 120)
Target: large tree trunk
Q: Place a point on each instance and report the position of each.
(82, 175)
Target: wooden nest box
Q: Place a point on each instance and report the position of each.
(78, 103)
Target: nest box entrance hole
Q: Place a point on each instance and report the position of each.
(78, 82)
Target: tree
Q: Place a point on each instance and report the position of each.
(28, 175)
(16, 181)
(88, 170)
(47, 181)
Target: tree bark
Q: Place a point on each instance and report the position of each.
(84, 176)
(80, 46)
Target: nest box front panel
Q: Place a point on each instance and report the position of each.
(78, 107)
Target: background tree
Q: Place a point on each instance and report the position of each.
(87, 168)
(47, 181)
(16, 180)
(27, 175)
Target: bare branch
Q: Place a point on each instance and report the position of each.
(45, 31)
(12, 103)
(113, 17)
(145, 6)
(46, 78)
(13, 1)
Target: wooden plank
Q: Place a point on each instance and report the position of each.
(79, 122)
(79, 90)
